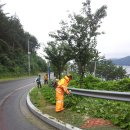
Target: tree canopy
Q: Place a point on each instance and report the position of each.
(14, 47)
(80, 36)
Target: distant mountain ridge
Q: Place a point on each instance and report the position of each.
(122, 61)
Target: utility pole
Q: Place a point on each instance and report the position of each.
(49, 70)
(28, 58)
(94, 73)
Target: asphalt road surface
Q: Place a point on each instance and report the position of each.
(14, 113)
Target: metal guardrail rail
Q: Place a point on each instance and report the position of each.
(112, 95)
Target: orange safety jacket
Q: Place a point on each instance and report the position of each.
(45, 77)
(60, 89)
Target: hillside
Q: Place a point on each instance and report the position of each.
(122, 61)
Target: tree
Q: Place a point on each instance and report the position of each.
(57, 55)
(81, 33)
(14, 47)
(107, 70)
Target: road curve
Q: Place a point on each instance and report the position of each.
(14, 113)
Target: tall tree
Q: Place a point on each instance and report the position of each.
(81, 34)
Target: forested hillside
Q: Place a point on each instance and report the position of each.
(14, 43)
(122, 61)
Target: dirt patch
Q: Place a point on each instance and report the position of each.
(95, 122)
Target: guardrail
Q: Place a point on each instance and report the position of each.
(112, 95)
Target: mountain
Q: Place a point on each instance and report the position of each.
(122, 61)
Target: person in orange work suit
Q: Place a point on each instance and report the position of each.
(60, 89)
(46, 78)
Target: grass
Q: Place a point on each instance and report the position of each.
(67, 116)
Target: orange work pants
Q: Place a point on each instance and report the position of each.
(59, 99)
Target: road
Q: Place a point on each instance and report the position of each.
(14, 113)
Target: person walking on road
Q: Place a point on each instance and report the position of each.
(62, 87)
(38, 80)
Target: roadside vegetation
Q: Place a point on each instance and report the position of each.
(15, 46)
(78, 108)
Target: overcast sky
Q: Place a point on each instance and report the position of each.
(39, 17)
